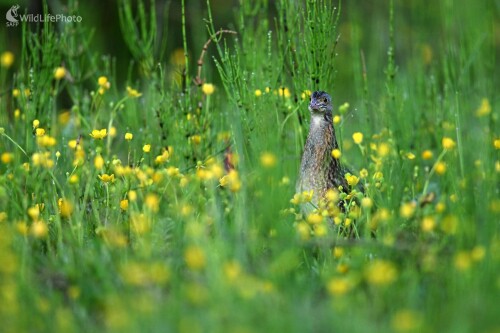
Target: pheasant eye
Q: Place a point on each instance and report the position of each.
(325, 100)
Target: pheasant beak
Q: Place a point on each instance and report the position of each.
(313, 106)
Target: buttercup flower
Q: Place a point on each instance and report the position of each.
(448, 143)
(357, 137)
(133, 93)
(208, 88)
(59, 73)
(107, 178)
(336, 154)
(99, 134)
(6, 59)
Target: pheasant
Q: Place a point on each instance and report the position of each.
(319, 171)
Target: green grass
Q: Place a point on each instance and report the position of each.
(166, 247)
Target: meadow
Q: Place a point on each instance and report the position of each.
(161, 198)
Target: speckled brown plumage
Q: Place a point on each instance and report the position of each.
(319, 171)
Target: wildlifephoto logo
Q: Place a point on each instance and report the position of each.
(13, 17)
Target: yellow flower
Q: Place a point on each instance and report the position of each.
(43, 160)
(7, 158)
(381, 272)
(366, 203)
(103, 82)
(440, 168)
(496, 144)
(484, 109)
(194, 258)
(336, 120)
(268, 160)
(195, 139)
(160, 159)
(64, 117)
(303, 197)
(73, 179)
(124, 204)
(46, 141)
(357, 138)
(232, 270)
(332, 195)
(284, 92)
(146, 148)
(231, 180)
(410, 156)
(363, 173)
(132, 195)
(462, 260)
(407, 209)
(99, 134)
(449, 224)
(336, 154)
(65, 207)
(383, 149)
(352, 180)
(129, 136)
(177, 57)
(478, 253)
(448, 143)
(208, 88)
(99, 162)
(428, 224)
(406, 321)
(16, 93)
(34, 212)
(107, 178)
(427, 154)
(152, 201)
(173, 171)
(338, 252)
(6, 59)
(39, 132)
(338, 286)
(258, 92)
(59, 73)
(306, 94)
(314, 218)
(320, 230)
(133, 93)
(39, 229)
(36, 123)
(303, 230)
(378, 176)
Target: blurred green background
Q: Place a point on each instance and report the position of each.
(423, 30)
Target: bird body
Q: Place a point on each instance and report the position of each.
(319, 171)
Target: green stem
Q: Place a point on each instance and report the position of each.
(459, 137)
(184, 43)
(431, 173)
(16, 144)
